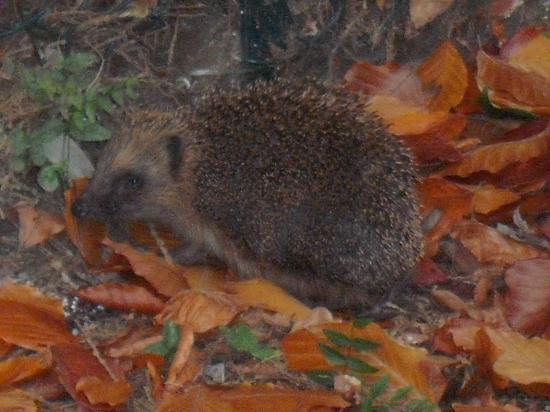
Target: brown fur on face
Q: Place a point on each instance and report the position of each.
(283, 180)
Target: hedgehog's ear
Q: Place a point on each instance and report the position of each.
(174, 147)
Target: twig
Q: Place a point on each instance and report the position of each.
(160, 244)
(173, 43)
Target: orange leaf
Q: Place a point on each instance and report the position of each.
(533, 56)
(17, 400)
(99, 391)
(454, 201)
(524, 361)
(21, 368)
(528, 297)
(86, 235)
(200, 311)
(187, 363)
(488, 198)
(526, 87)
(490, 246)
(405, 118)
(123, 296)
(166, 278)
(74, 362)
(265, 398)
(37, 226)
(30, 319)
(446, 72)
(406, 365)
(496, 157)
(5, 348)
(263, 294)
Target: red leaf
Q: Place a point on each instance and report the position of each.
(123, 296)
(429, 273)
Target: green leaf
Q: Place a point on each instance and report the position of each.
(48, 178)
(78, 121)
(360, 366)
(241, 338)
(118, 96)
(78, 62)
(169, 344)
(20, 141)
(419, 405)
(324, 378)
(131, 87)
(105, 104)
(339, 339)
(49, 131)
(379, 387)
(94, 132)
(332, 355)
(90, 109)
(502, 113)
(18, 165)
(400, 395)
(37, 155)
(361, 323)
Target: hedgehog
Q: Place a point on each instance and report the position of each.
(293, 182)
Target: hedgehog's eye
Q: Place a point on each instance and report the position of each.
(134, 182)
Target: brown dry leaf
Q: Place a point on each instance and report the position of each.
(429, 273)
(496, 157)
(30, 319)
(187, 363)
(86, 235)
(490, 246)
(406, 365)
(72, 362)
(200, 311)
(21, 368)
(122, 296)
(529, 88)
(166, 278)
(16, 400)
(405, 118)
(532, 56)
(424, 11)
(37, 226)
(5, 348)
(522, 360)
(532, 172)
(454, 201)
(205, 277)
(488, 198)
(265, 398)
(445, 71)
(528, 296)
(100, 391)
(139, 9)
(261, 293)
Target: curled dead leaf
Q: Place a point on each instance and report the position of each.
(37, 226)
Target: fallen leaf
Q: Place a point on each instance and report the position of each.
(265, 398)
(30, 319)
(445, 71)
(429, 273)
(529, 88)
(179, 373)
(472, 408)
(522, 360)
(528, 296)
(488, 198)
(122, 296)
(21, 368)
(72, 362)
(5, 348)
(496, 157)
(406, 365)
(261, 293)
(17, 400)
(166, 278)
(533, 56)
(99, 391)
(516, 175)
(86, 235)
(490, 246)
(37, 226)
(453, 201)
(424, 11)
(200, 311)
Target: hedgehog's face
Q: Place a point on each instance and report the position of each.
(135, 179)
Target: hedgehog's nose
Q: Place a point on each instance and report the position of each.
(79, 210)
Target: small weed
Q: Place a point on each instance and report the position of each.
(241, 338)
(72, 101)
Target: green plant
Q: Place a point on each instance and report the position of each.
(241, 338)
(71, 101)
(376, 397)
(168, 346)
